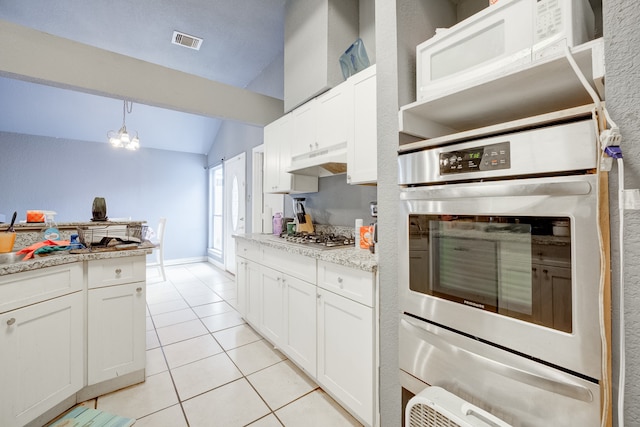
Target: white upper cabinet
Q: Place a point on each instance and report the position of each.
(278, 142)
(362, 164)
(333, 117)
(303, 137)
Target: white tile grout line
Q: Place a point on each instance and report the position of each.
(161, 346)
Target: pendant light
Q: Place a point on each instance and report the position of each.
(122, 137)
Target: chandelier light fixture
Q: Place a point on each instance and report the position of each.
(122, 138)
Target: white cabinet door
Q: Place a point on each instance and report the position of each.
(253, 300)
(362, 166)
(241, 286)
(42, 357)
(300, 312)
(273, 316)
(346, 351)
(333, 116)
(278, 139)
(116, 331)
(304, 131)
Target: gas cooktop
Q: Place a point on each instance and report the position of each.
(320, 240)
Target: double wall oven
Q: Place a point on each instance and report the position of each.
(500, 273)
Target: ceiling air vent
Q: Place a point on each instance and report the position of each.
(186, 40)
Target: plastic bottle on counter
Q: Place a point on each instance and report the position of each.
(277, 223)
(50, 230)
(357, 232)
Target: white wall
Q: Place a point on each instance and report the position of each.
(234, 138)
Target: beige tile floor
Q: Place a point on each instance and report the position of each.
(207, 367)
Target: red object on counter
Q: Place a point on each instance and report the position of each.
(35, 216)
(29, 250)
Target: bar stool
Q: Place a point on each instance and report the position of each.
(159, 249)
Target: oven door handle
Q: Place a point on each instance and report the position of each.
(497, 189)
(534, 379)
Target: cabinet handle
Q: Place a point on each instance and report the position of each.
(546, 273)
(348, 178)
(310, 147)
(11, 321)
(118, 271)
(138, 290)
(339, 279)
(316, 145)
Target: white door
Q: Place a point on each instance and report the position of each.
(234, 207)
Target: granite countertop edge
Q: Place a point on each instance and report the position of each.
(349, 257)
(54, 260)
(37, 226)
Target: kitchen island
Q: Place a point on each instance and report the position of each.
(319, 306)
(73, 328)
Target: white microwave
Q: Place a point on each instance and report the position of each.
(500, 38)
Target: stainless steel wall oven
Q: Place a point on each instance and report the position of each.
(500, 272)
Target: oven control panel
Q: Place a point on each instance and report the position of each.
(483, 158)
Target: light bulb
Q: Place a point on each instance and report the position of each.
(115, 141)
(134, 144)
(124, 137)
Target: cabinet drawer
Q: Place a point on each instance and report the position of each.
(116, 271)
(296, 265)
(348, 282)
(247, 250)
(21, 289)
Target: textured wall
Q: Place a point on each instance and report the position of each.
(387, 99)
(65, 176)
(400, 26)
(622, 56)
(336, 202)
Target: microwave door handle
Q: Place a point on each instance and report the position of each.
(556, 385)
(506, 189)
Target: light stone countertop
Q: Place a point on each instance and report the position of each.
(357, 258)
(53, 260)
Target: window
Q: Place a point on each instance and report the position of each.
(216, 182)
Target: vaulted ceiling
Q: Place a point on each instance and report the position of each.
(241, 38)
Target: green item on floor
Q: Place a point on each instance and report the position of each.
(82, 416)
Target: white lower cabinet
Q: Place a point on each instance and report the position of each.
(320, 315)
(41, 357)
(58, 323)
(346, 352)
(273, 316)
(253, 300)
(300, 321)
(289, 316)
(115, 331)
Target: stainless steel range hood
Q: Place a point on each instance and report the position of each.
(322, 162)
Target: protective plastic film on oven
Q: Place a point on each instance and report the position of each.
(515, 266)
